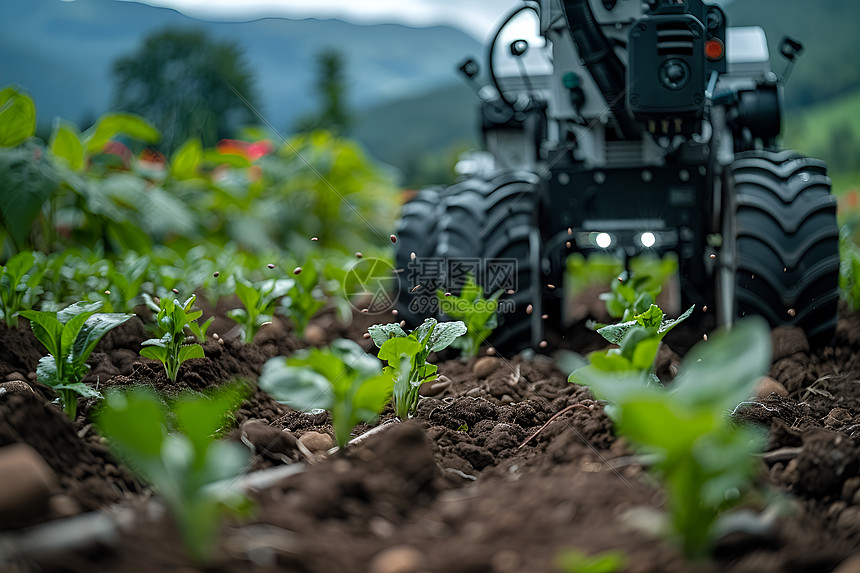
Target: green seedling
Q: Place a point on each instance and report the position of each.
(576, 561)
(477, 313)
(14, 285)
(70, 335)
(638, 341)
(303, 298)
(702, 457)
(126, 278)
(199, 330)
(259, 300)
(407, 354)
(849, 270)
(171, 318)
(341, 378)
(174, 450)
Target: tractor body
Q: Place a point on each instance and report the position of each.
(627, 127)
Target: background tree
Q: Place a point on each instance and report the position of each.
(180, 81)
(331, 88)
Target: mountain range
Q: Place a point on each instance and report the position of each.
(62, 52)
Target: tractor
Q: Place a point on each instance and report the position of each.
(628, 127)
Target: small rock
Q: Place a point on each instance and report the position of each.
(786, 341)
(316, 441)
(850, 565)
(15, 387)
(27, 484)
(769, 386)
(849, 488)
(485, 365)
(835, 509)
(838, 417)
(474, 392)
(849, 520)
(16, 376)
(64, 506)
(315, 335)
(434, 387)
(397, 559)
(268, 439)
(506, 399)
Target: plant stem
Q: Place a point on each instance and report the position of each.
(69, 398)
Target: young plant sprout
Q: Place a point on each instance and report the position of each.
(70, 335)
(477, 313)
(174, 450)
(407, 354)
(304, 297)
(703, 458)
(14, 287)
(259, 300)
(341, 378)
(172, 317)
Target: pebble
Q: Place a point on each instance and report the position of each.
(849, 520)
(315, 335)
(27, 485)
(474, 392)
(851, 489)
(15, 387)
(485, 365)
(16, 376)
(316, 441)
(397, 559)
(62, 505)
(434, 387)
(769, 386)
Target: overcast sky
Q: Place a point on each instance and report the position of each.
(475, 17)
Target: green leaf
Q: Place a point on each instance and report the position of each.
(93, 330)
(353, 355)
(248, 295)
(134, 421)
(651, 318)
(444, 334)
(46, 371)
(395, 348)
(668, 325)
(725, 369)
(46, 328)
(17, 117)
(230, 159)
(77, 308)
(79, 388)
(17, 266)
(615, 333)
(156, 350)
(645, 353)
(576, 561)
(191, 351)
(66, 144)
(301, 388)
(371, 396)
(199, 417)
(382, 332)
(187, 159)
(112, 124)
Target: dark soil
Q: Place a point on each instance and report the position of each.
(479, 481)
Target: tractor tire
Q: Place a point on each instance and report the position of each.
(781, 243)
(492, 223)
(415, 234)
